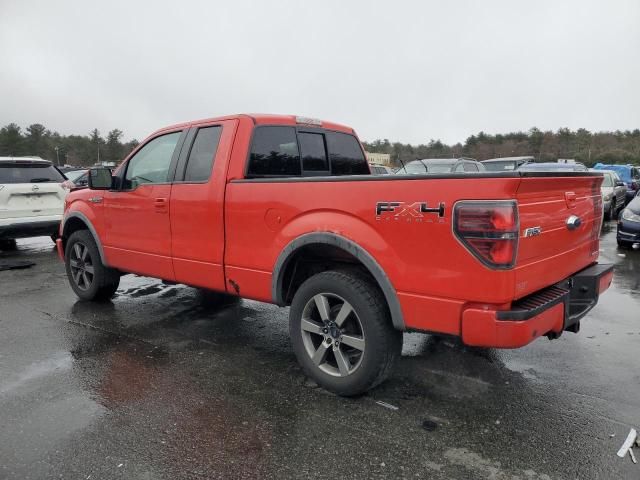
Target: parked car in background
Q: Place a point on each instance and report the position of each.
(31, 198)
(377, 169)
(629, 223)
(441, 165)
(614, 193)
(553, 167)
(79, 178)
(629, 174)
(506, 164)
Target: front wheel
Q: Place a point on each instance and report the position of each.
(89, 278)
(342, 334)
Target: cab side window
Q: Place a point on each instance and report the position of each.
(202, 154)
(151, 163)
(274, 153)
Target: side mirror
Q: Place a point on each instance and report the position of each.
(100, 178)
(620, 183)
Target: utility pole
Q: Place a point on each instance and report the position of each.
(56, 148)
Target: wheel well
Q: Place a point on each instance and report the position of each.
(315, 258)
(319, 251)
(71, 226)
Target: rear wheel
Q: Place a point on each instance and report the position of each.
(342, 334)
(89, 278)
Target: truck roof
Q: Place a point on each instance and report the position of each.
(268, 119)
(24, 160)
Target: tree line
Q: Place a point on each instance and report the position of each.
(80, 150)
(581, 145)
(546, 146)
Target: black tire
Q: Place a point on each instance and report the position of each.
(102, 283)
(623, 244)
(611, 213)
(381, 343)
(8, 244)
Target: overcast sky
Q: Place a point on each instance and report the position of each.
(405, 70)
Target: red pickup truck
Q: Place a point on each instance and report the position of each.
(283, 209)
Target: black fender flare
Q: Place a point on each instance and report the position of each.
(326, 238)
(81, 216)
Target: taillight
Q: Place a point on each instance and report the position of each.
(489, 230)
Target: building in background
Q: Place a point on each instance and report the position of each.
(379, 158)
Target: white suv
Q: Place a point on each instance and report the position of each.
(31, 198)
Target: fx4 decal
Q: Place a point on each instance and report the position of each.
(406, 211)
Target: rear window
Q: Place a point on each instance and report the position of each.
(274, 152)
(284, 151)
(439, 167)
(345, 154)
(314, 153)
(29, 173)
(413, 167)
(505, 166)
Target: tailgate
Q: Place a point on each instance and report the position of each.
(19, 200)
(560, 220)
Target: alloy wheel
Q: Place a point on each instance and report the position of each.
(332, 334)
(82, 269)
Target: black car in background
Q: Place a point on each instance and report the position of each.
(629, 223)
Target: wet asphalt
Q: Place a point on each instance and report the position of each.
(164, 382)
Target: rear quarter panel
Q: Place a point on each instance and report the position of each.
(432, 272)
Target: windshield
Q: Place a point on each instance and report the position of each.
(73, 175)
(608, 180)
(507, 165)
(29, 173)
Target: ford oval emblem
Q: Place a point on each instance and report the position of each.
(573, 222)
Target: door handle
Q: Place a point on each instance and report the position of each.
(161, 205)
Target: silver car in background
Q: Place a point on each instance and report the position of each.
(613, 191)
(434, 166)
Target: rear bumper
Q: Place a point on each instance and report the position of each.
(547, 312)
(29, 226)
